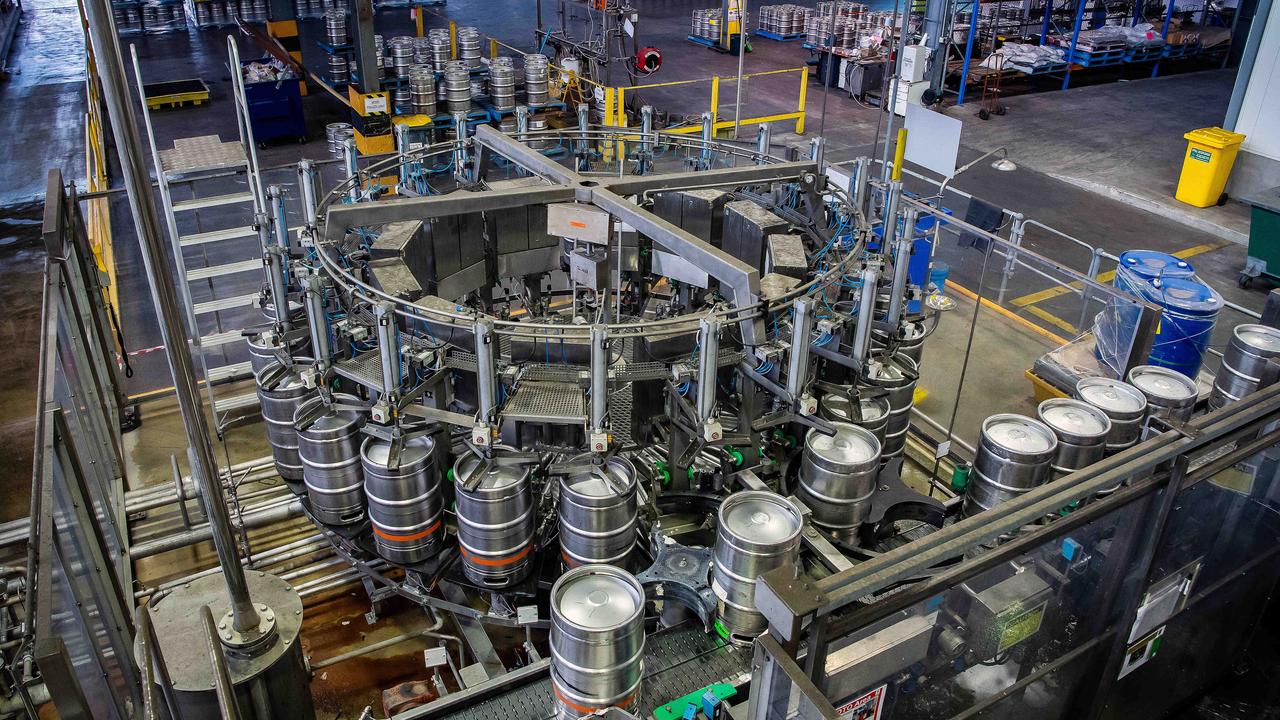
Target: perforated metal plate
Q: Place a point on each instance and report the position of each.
(546, 402)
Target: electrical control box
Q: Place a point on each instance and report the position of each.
(915, 61)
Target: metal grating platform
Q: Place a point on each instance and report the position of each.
(198, 154)
(675, 661)
(546, 402)
(365, 369)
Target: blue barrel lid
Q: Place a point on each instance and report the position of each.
(1152, 264)
(1191, 296)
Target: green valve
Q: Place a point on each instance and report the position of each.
(449, 475)
(721, 630)
(734, 453)
(692, 475)
(663, 472)
(960, 478)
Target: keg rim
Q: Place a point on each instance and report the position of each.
(823, 453)
(1258, 329)
(999, 448)
(467, 463)
(1090, 385)
(294, 375)
(838, 398)
(624, 578)
(781, 502)
(1190, 389)
(1072, 434)
(349, 418)
(416, 443)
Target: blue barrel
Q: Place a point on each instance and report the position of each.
(1152, 264)
(1189, 309)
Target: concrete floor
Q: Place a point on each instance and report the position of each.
(1073, 176)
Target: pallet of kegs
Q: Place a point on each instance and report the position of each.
(337, 134)
(457, 87)
(706, 23)
(400, 52)
(784, 19)
(1248, 364)
(215, 13)
(163, 17)
(502, 83)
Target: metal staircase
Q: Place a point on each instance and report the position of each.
(220, 268)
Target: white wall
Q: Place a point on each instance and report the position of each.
(1260, 111)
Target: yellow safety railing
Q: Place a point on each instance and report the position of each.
(798, 115)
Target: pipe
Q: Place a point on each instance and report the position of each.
(764, 143)
(901, 261)
(352, 162)
(866, 309)
(273, 556)
(599, 377)
(307, 181)
(173, 330)
(250, 520)
(485, 378)
(317, 321)
(708, 366)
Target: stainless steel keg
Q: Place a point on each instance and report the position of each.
(758, 532)
(280, 391)
(1244, 364)
(597, 641)
(838, 476)
(329, 446)
(1081, 430)
(597, 513)
(1170, 394)
(1014, 456)
(495, 520)
(405, 504)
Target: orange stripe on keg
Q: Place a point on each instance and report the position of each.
(406, 538)
(588, 710)
(500, 562)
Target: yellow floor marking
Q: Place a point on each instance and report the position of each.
(1052, 319)
(1020, 320)
(1106, 277)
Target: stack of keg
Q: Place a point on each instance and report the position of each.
(838, 476)
(422, 90)
(758, 532)
(1015, 455)
(496, 520)
(405, 505)
(335, 27)
(337, 134)
(784, 19)
(897, 377)
(457, 87)
(441, 51)
(502, 83)
(280, 391)
(329, 446)
(597, 512)
(1081, 430)
(868, 411)
(597, 641)
(537, 77)
(706, 23)
(128, 20)
(1245, 365)
(1171, 396)
(339, 69)
(469, 47)
(400, 50)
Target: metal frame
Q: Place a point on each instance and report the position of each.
(1156, 472)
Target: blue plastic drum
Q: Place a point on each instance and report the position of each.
(1150, 264)
(1190, 309)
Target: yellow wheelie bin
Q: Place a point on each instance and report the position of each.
(1210, 154)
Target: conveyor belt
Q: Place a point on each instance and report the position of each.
(677, 661)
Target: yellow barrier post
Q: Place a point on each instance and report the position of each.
(418, 16)
(804, 91)
(899, 154)
(715, 103)
(493, 48)
(453, 39)
(622, 107)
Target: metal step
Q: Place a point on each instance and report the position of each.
(217, 235)
(227, 303)
(219, 339)
(234, 268)
(235, 402)
(213, 201)
(226, 372)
